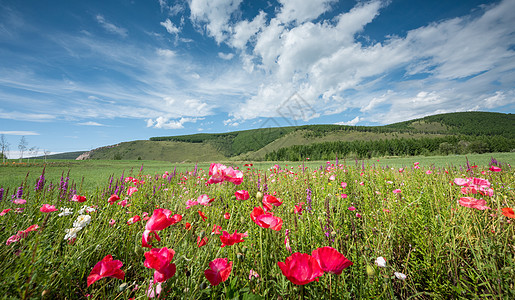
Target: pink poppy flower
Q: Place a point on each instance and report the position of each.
(266, 220)
(112, 222)
(343, 185)
(269, 200)
(123, 203)
(190, 203)
(161, 219)
(253, 274)
(219, 271)
(473, 203)
(220, 173)
(301, 268)
(153, 289)
(131, 190)
(113, 199)
(79, 198)
(107, 267)
(13, 239)
(344, 196)
(5, 211)
(417, 167)
(204, 200)
(495, 169)
(330, 260)
(358, 215)
(19, 201)
(46, 208)
(351, 208)
(242, 195)
(429, 172)
(396, 191)
(231, 239)
(332, 178)
(133, 220)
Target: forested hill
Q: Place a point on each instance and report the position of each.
(467, 123)
(464, 132)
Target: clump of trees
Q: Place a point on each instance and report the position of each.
(395, 147)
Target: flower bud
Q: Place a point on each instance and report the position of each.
(259, 196)
(370, 271)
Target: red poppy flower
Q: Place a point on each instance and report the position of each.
(301, 268)
(269, 200)
(107, 267)
(161, 261)
(242, 195)
(330, 260)
(133, 220)
(219, 270)
(201, 241)
(148, 236)
(216, 229)
(298, 208)
(202, 215)
(227, 216)
(187, 226)
(266, 220)
(78, 198)
(5, 211)
(113, 199)
(508, 212)
(231, 239)
(162, 218)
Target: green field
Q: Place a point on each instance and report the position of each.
(435, 243)
(90, 174)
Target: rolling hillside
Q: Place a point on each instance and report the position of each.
(446, 133)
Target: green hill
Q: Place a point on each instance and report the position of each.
(463, 132)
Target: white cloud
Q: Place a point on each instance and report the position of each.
(19, 132)
(172, 10)
(166, 123)
(170, 27)
(225, 56)
(166, 53)
(350, 123)
(214, 16)
(111, 28)
(24, 116)
(301, 10)
(244, 30)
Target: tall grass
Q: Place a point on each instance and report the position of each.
(444, 249)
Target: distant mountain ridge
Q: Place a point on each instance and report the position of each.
(473, 131)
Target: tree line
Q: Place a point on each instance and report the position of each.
(394, 147)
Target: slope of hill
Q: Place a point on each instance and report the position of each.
(451, 133)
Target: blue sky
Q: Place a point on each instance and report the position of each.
(76, 75)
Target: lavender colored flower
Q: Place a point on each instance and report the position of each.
(1, 194)
(41, 182)
(308, 200)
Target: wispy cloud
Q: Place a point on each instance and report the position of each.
(19, 132)
(170, 27)
(90, 123)
(110, 27)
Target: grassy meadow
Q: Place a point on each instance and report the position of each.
(402, 222)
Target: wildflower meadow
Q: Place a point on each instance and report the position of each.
(340, 230)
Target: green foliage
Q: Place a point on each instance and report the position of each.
(447, 251)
